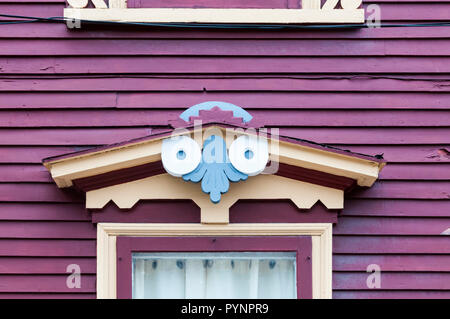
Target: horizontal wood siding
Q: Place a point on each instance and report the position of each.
(371, 90)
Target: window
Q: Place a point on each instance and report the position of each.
(214, 275)
(114, 278)
(214, 267)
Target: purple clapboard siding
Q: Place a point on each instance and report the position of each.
(406, 153)
(32, 154)
(391, 244)
(289, 118)
(31, 266)
(388, 263)
(64, 100)
(100, 136)
(395, 135)
(391, 226)
(372, 91)
(44, 283)
(236, 83)
(416, 172)
(393, 294)
(309, 100)
(174, 101)
(24, 173)
(47, 248)
(63, 136)
(43, 211)
(227, 47)
(401, 190)
(51, 31)
(393, 281)
(395, 207)
(31, 9)
(37, 192)
(228, 65)
(38, 229)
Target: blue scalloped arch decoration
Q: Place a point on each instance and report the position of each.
(224, 106)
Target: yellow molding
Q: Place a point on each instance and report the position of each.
(107, 233)
(363, 171)
(65, 170)
(164, 186)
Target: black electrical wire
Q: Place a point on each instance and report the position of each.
(28, 19)
(292, 77)
(18, 22)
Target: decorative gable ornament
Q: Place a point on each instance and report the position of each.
(215, 154)
(312, 11)
(247, 156)
(214, 165)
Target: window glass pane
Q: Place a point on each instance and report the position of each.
(215, 275)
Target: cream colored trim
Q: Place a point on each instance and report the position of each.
(164, 186)
(64, 171)
(108, 232)
(188, 15)
(119, 4)
(364, 171)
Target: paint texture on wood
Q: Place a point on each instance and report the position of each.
(373, 91)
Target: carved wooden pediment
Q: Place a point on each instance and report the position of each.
(205, 158)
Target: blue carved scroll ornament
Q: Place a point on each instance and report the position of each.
(215, 170)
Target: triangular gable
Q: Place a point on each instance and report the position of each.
(302, 171)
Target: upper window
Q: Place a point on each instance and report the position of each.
(212, 275)
(269, 267)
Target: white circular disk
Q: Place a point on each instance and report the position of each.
(180, 155)
(249, 154)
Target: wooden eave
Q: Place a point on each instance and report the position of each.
(139, 158)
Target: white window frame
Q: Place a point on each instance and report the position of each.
(321, 234)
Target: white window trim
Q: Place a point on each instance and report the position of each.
(321, 234)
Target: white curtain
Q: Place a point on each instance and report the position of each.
(214, 275)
